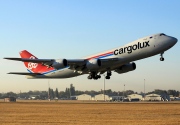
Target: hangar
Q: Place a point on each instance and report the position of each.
(101, 97)
(153, 97)
(84, 97)
(135, 97)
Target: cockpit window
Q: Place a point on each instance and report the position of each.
(162, 34)
(150, 37)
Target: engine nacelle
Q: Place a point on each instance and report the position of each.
(93, 64)
(126, 68)
(59, 63)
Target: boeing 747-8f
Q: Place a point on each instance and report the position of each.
(119, 60)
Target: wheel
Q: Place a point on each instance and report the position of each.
(97, 77)
(161, 59)
(89, 77)
(107, 77)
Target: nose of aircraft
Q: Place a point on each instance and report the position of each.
(174, 40)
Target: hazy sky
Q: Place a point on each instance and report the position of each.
(77, 28)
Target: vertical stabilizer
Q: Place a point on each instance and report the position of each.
(33, 67)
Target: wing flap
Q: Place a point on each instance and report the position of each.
(76, 64)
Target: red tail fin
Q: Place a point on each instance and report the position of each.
(34, 67)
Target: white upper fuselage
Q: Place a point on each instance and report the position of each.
(138, 49)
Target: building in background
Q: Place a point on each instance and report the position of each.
(153, 97)
(10, 99)
(84, 97)
(135, 97)
(102, 97)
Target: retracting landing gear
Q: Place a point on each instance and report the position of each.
(94, 75)
(108, 75)
(162, 59)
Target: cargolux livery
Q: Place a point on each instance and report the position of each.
(119, 60)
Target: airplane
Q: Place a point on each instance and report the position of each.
(120, 60)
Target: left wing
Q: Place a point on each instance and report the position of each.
(25, 73)
(43, 61)
(74, 64)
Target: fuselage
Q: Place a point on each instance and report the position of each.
(136, 50)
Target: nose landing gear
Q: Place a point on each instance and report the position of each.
(162, 59)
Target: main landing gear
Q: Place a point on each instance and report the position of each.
(95, 76)
(162, 59)
(108, 75)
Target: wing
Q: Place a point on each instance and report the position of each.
(49, 62)
(43, 61)
(81, 64)
(25, 73)
(74, 64)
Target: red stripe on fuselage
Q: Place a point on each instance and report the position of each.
(99, 55)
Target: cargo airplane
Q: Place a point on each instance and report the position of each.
(119, 59)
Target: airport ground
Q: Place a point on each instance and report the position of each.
(96, 113)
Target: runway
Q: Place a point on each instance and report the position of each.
(80, 113)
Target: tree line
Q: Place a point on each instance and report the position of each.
(70, 92)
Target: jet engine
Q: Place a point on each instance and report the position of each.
(126, 68)
(59, 63)
(93, 64)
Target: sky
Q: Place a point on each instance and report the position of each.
(77, 28)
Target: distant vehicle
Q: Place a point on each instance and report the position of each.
(119, 60)
(177, 99)
(135, 100)
(116, 98)
(126, 100)
(56, 98)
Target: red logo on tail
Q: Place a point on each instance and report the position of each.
(32, 65)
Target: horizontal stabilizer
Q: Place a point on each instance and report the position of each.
(25, 73)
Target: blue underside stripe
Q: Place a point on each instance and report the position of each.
(54, 70)
(29, 71)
